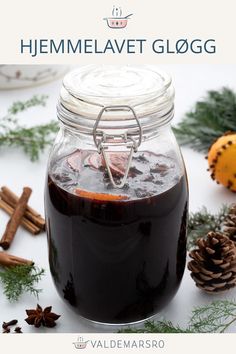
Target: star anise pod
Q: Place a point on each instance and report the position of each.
(42, 317)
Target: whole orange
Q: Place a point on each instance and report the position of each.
(222, 161)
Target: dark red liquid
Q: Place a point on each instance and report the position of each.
(117, 261)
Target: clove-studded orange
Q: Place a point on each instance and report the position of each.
(222, 161)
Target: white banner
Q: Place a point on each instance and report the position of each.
(79, 32)
(120, 343)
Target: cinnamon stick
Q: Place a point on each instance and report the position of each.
(11, 198)
(8, 260)
(15, 219)
(28, 225)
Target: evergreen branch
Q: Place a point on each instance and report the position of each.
(215, 317)
(33, 140)
(210, 118)
(201, 222)
(155, 327)
(21, 106)
(19, 279)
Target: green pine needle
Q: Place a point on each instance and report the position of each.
(155, 327)
(32, 140)
(215, 317)
(19, 279)
(201, 222)
(209, 119)
(21, 106)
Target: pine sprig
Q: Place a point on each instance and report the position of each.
(201, 222)
(210, 118)
(215, 317)
(20, 106)
(19, 279)
(155, 327)
(32, 140)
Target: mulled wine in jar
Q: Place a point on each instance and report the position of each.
(116, 195)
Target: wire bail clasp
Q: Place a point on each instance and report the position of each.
(103, 141)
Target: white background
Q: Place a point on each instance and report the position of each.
(16, 171)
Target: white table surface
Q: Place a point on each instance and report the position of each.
(16, 171)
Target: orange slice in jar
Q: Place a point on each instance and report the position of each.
(99, 196)
(82, 157)
(95, 160)
(75, 160)
(117, 162)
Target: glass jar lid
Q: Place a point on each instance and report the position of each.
(89, 89)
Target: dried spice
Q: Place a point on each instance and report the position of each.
(33, 219)
(18, 330)
(15, 219)
(6, 325)
(28, 225)
(8, 260)
(40, 317)
(6, 330)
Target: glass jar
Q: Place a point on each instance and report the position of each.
(116, 195)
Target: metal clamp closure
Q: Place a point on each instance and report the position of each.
(103, 141)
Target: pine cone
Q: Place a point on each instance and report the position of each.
(230, 224)
(213, 264)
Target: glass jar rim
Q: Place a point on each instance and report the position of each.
(98, 81)
(89, 89)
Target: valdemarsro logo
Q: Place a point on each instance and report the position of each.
(80, 343)
(119, 343)
(117, 20)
